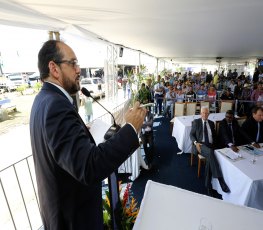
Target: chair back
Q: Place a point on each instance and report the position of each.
(226, 105)
(240, 120)
(205, 104)
(190, 108)
(179, 108)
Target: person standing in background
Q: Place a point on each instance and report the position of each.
(87, 103)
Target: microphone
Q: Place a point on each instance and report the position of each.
(114, 128)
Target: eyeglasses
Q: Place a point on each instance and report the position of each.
(229, 117)
(73, 63)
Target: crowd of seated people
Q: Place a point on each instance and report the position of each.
(206, 86)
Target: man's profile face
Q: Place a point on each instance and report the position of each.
(258, 116)
(70, 74)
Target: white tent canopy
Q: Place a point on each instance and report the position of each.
(179, 30)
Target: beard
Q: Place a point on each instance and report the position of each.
(72, 87)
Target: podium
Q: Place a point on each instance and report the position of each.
(168, 207)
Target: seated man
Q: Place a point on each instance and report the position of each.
(227, 95)
(147, 138)
(230, 134)
(253, 126)
(203, 136)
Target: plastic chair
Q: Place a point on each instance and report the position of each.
(179, 109)
(226, 105)
(190, 108)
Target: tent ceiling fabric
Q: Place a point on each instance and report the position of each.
(162, 28)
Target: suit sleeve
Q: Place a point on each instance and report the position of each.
(222, 135)
(193, 131)
(74, 151)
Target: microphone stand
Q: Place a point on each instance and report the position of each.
(112, 179)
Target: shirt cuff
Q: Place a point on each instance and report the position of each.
(230, 144)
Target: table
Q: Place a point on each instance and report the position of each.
(182, 128)
(168, 207)
(133, 163)
(244, 179)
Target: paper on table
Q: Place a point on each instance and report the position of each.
(258, 151)
(98, 129)
(229, 153)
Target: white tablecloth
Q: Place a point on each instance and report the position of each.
(182, 127)
(168, 207)
(244, 179)
(133, 163)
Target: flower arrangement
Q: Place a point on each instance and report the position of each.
(129, 209)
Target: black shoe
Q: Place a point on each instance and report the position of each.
(223, 185)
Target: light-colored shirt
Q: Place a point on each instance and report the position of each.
(210, 138)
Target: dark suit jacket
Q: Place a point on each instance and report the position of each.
(69, 166)
(196, 133)
(224, 134)
(250, 126)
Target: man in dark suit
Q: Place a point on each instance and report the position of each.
(230, 134)
(253, 126)
(203, 135)
(69, 166)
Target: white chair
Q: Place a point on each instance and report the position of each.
(179, 108)
(190, 108)
(226, 105)
(205, 104)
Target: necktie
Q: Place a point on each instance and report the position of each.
(231, 132)
(206, 134)
(258, 134)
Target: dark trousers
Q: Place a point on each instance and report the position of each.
(159, 103)
(147, 140)
(212, 167)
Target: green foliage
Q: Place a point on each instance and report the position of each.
(21, 88)
(37, 86)
(129, 210)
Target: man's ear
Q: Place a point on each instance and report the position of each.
(54, 69)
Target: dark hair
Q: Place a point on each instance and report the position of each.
(256, 109)
(230, 112)
(49, 52)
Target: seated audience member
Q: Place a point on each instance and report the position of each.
(179, 97)
(230, 134)
(203, 135)
(257, 93)
(253, 126)
(147, 138)
(227, 95)
(201, 92)
(211, 93)
(190, 94)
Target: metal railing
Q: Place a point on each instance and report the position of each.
(19, 205)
